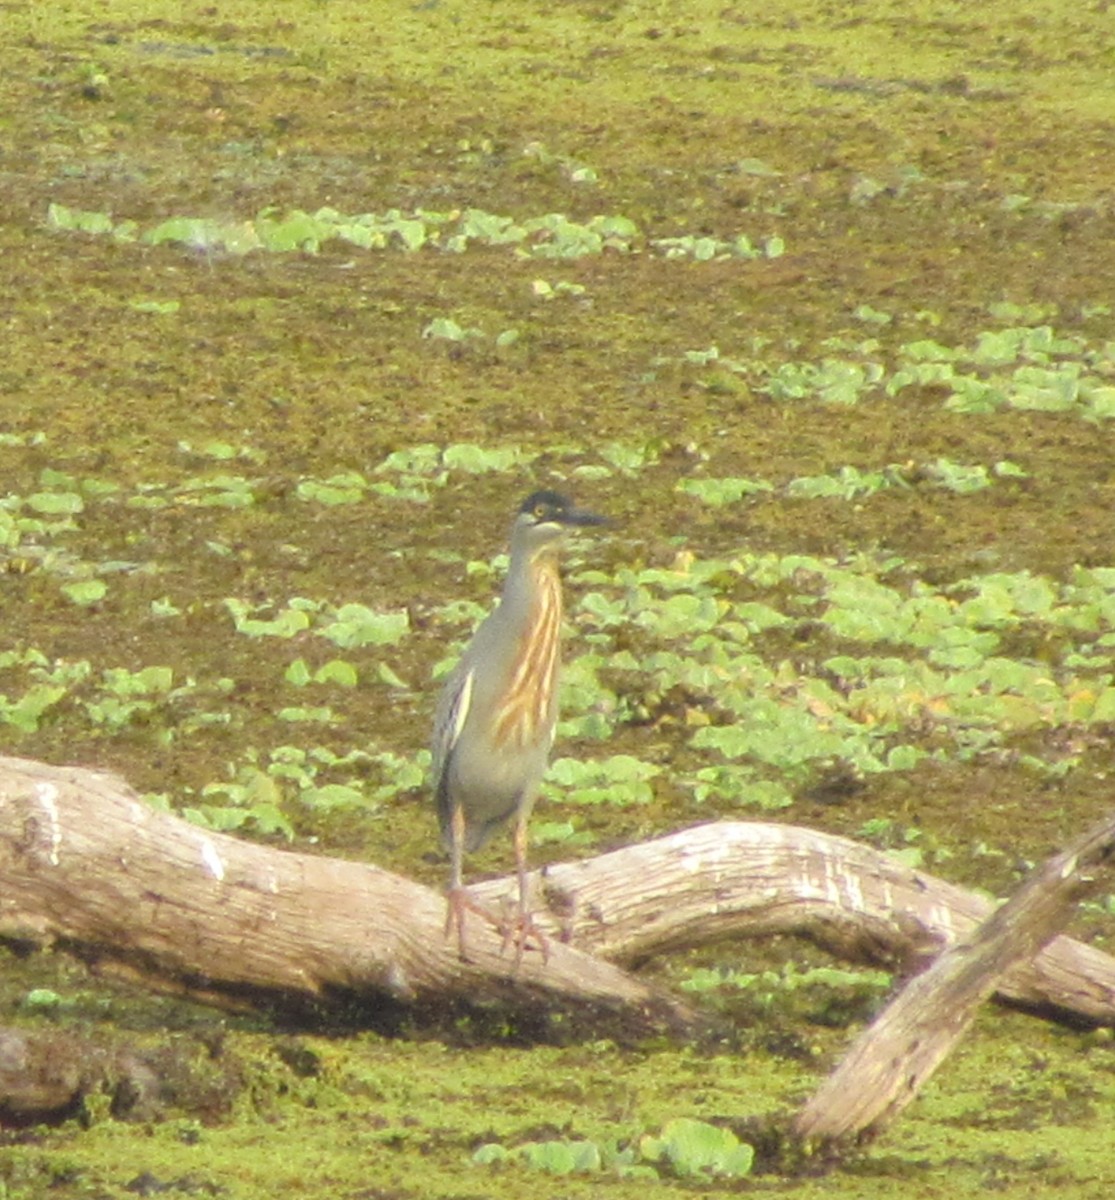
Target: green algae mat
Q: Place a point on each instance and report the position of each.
(300, 300)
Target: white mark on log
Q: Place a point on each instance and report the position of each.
(699, 856)
(212, 859)
(1072, 865)
(942, 920)
(837, 885)
(48, 798)
(397, 982)
(845, 888)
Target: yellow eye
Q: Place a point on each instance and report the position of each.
(540, 511)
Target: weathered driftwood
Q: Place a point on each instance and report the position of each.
(83, 860)
(891, 1060)
(747, 879)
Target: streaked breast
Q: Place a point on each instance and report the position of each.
(527, 712)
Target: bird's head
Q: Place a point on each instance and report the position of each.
(545, 516)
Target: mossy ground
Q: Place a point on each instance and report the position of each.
(939, 161)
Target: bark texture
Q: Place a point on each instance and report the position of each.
(749, 879)
(891, 1060)
(83, 860)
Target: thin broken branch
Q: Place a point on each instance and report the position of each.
(893, 1058)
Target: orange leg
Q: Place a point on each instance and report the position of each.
(521, 928)
(458, 901)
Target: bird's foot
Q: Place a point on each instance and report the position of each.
(458, 902)
(519, 930)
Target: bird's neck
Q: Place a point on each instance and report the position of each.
(530, 576)
(529, 708)
(546, 580)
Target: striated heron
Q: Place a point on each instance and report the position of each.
(496, 714)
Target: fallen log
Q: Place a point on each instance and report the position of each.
(85, 862)
(752, 879)
(893, 1058)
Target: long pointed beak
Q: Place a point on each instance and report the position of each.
(581, 516)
